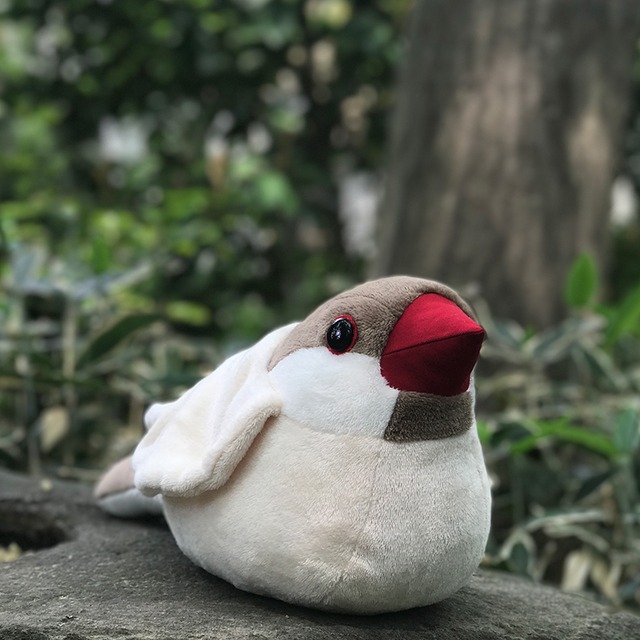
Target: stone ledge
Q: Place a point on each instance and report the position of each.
(108, 578)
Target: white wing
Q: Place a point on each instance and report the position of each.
(194, 444)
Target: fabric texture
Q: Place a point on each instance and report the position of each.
(433, 348)
(335, 394)
(117, 495)
(343, 523)
(447, 416)
(195, 443)
(119, 477)
(130, 503)
(302, 474)
(376, 306)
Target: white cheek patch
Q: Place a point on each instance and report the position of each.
(334, 393)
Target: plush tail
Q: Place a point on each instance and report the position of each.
(116, 494)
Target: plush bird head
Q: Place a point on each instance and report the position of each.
(386, 359)
(335, 464)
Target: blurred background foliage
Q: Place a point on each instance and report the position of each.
(178, 177)
(172, 161)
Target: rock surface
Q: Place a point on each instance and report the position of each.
(108, 578)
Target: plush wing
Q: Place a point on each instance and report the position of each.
(194, 444)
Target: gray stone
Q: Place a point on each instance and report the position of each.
(108, 578)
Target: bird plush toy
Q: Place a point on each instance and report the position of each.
(335, 464)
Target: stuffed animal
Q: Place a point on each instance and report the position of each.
(336, 463)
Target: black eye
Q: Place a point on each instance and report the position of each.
(342, 334)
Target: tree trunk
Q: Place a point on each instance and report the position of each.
(505, 140)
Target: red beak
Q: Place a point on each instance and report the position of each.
(433, 348)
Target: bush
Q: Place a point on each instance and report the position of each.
(174, 167)
(560, 420)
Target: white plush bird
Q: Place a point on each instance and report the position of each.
(336, 463)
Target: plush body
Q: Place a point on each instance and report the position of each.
(299, 471)
(365, 538)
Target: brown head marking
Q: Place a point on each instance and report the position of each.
(376, 306)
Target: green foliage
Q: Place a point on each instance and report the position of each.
(207, 138)
(626, 433)
(102, 344)
(561, 430)
(560, 420)
(169, 193)
(624, 318)
(582, 282)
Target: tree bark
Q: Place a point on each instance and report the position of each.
(505, 139)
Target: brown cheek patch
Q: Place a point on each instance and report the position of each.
(376, 306)
(421, 416)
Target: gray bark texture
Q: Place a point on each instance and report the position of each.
(505, 140)
(106, 578)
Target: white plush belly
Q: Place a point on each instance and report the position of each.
(340, 522)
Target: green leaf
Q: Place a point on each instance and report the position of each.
(101, 254)
(555, 343)
(520, 559)
(108, 340)
(508, 332)
(626, 433)
(564, 432)
(188, 312)
(582, 282)
(625, 319)
(591, 484)
(274, 192)
(602, 366)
